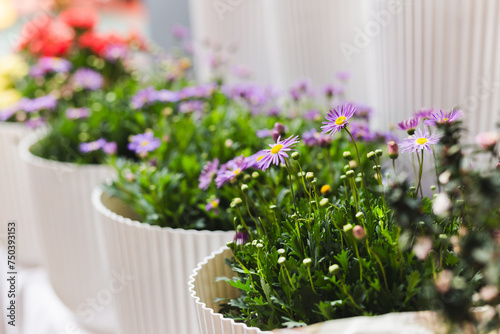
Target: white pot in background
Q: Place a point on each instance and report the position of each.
(204, 290)
(158, 262)
(14, 197)
(441, 54)
(61, 204)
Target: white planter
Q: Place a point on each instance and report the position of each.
(14, 196)
(159, 260)
(69, 234)
(204, 290)
(441, 54)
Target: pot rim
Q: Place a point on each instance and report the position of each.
(106, 212)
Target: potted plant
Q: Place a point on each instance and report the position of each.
(375, 246)
(173, 198)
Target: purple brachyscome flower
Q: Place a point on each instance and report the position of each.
(330, 91)
(191, 106)
(47, 102)
(409, 125)
(241, 238)
(109, 148)
(363, 111)
(277, 153)
(143, 143)
(34, 123)
(86, 78)
(208, 173)
(343, 75)
(419, 140)
(143, 97)
(263, 133)
(424, 113)
(241, 71)
(338, 118)
(230, 170)
(253, 161)
(8, 112)
(77, 113)
(440, 117)
(165, 95)
(50, 65)
(213, 205)
(115, 52)
(92, 146)
(312, 115)
(315, 138)
(201, 91)
(362, 131)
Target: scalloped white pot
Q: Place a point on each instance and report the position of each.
(14, 196)
(441, 54)
(69, 235)
(159, 262)
(204, 290)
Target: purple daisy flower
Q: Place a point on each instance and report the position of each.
(441, 117)
(277, 153)
(263, 133)
(424, 113)
(230, 170)
(312, 115)
(50, 64)
(77, 113)
(144, 97)
(109, 148)
(310, 137)
(165, 95)
(241, 238)
(409, 125)
(8, 112)
(253, 161)
(338, 118)
(330, 91)
(92, 146)
(115, 52)
(86, 78)
(191, 106)
(343, 75)
(36, 122)
(363, 111)
(208, 173)
(47, 102)
(419, 140)
(213, 205)
(143, 143)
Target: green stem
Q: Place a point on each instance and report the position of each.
(291, 185)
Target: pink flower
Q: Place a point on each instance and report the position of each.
(422, 247)
(488, 293)
(443, 281)
(487, 140)
(359, 232)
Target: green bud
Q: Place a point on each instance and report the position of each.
(323, 202)
(255, 175)
(309, 176)
(313, 203)
(350, 174)
(347, 167)
(272, 207)
(342, 177)
(236, 202)
(360, 215)
(259, 245)
(307, 262)
(229, 244)
(295, 155)
(300, 174)
(294, 216)
(358, 180)
(314, 181)
(244, 188)
(347, 228)
(247, 178)
(334, 269)
(281, 260)
(371, 155)
(240, 228)
(379, 152)
(433, 187)
(347, 155)
(281, 251)
(412, 189)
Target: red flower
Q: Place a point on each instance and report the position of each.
(94, 42)
(79, 18)
(46, 38)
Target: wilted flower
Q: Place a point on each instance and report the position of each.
(277, 153)
(487, 140)
(422, 247)
(338, 118)
(86, 78)
(208, 173)
(143, 143)
(420, 140)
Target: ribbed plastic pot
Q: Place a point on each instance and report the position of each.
(69, 235)
(441, 54)
(204, 289)
(159, 261)
(14, 197)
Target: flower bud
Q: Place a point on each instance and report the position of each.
(295, 155)
(360, 215)
(309, 176)
(326, 189)
(433, 187)
(347, 228)
(347, 155)
(358, 180)
(350, 174)
(342, 177)
(393, 149)
(324, 202)
(294, 216)
(314, 181)
(379, 152)
(273, 207)
(281, 251)
(247, 178)
(236, 202)
(229, 244)
(371, 155)
(347, 167)
(358, 232)
(244, 188)
(353, 164)
(487, 140)
(280, 128)
(307, 262)
(259, 245)
(334, 269)
(275, 135)
(281, 260)
(255, 175)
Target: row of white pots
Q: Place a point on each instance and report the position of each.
(404, 54)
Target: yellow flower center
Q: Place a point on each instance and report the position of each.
(444, 120)
(260, 158)
(237, 171)
(276, 148)
(326, 188)
(340, 120)
(215, 204)
(421, 141)
(144, 143)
